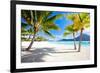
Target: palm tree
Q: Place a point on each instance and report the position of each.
(80, 22)
(70, 30)
(40, 21)
(84, 23)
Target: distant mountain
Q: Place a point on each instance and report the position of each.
(85, 37)
(66, 40)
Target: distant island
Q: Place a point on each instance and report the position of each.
(85, 37)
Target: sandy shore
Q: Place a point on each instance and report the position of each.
(46, 52)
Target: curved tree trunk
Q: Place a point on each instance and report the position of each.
(29, 47)
(74, 41)
(79, 48)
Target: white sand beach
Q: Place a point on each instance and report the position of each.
(46, 52)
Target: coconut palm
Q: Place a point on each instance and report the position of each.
(40, 21)
(70, 30)
(80, 22)
(84, 23)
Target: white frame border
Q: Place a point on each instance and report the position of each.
(51, 64)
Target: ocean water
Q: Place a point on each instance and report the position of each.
(83, 43)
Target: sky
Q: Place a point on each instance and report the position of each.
(62, 23)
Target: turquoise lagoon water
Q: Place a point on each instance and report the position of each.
(83, 43)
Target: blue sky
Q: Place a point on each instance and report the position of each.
(62, 23)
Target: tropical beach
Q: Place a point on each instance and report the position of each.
(54, 36)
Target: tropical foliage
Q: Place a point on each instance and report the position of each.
(39, 21)
(72, 28)
(40, 38)
(34, 22)
(80, 22)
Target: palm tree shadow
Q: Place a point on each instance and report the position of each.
(36, 55)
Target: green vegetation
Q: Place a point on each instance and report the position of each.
(80, 22)
(39, 38)
(44, 21)
(39, 21)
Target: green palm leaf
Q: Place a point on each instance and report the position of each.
(69, 28)
(51, 27)
(48, 33)
(67, 33)
(51, 19)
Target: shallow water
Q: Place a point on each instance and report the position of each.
(83, 43)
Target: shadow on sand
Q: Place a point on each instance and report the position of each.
(36, 55)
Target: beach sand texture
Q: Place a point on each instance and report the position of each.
(45, 52)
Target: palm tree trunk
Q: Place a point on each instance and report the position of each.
(74, 41)
(79, 48)
(29, 47)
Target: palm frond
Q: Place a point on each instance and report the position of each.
(67, 33)
(83, 15)
(71, 16)
(51, 27)
(70, 28)
(51, 19)
(48, 33)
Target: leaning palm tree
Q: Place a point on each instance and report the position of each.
(84, 23)
(40, 21)
(80, 21)
(70, 30)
